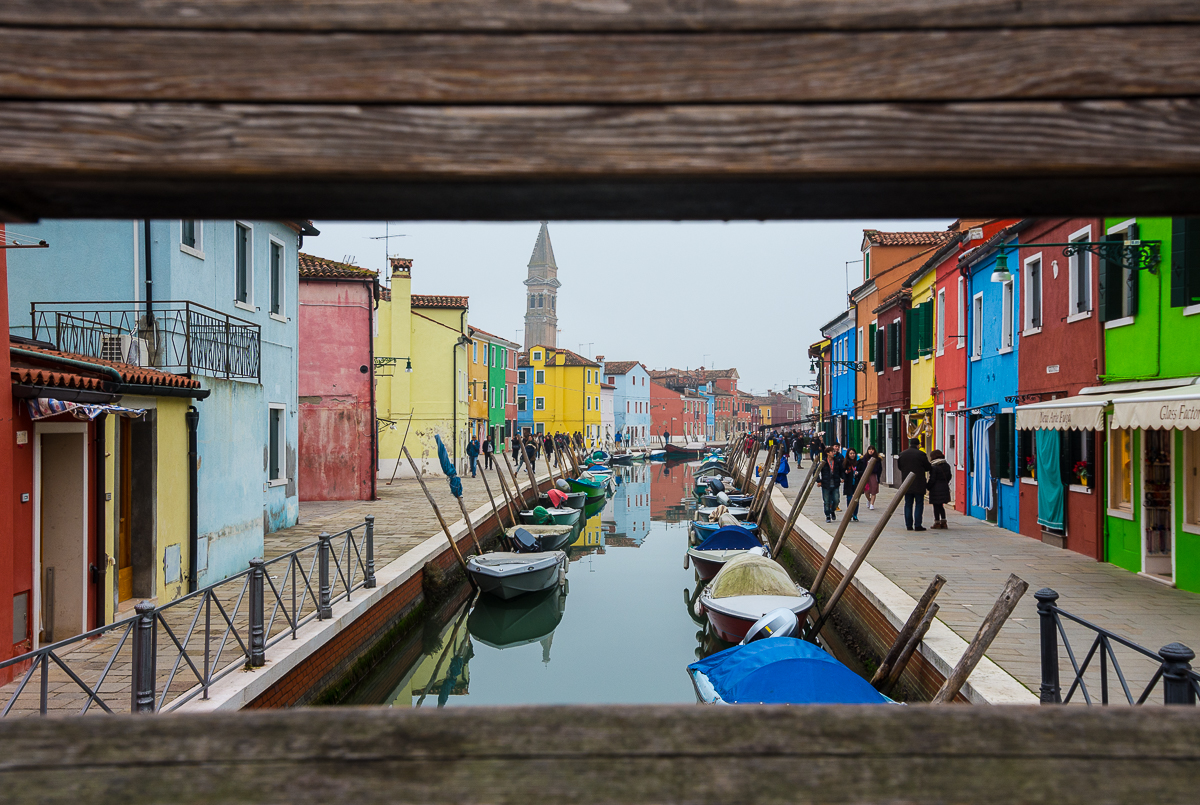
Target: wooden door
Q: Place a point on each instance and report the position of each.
(125, 499)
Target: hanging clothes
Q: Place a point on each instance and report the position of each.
(782, 474)
(45, 407)
(1049, 479)
(981, 468)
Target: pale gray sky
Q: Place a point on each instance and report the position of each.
(743, 294)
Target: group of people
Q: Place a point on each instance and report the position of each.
(841, 471)
(533, 444)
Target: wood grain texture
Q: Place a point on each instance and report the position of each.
(582, 15)
(611, 754)
(159, 65)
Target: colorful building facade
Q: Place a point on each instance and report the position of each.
(565, 392)
(631, 400)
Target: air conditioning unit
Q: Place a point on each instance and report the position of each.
(124, 348)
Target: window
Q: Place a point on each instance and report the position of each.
(1191, 452)
(962, 313)
(474, 352)
(540, 427)
(521, 402)
(541, 300)
(977, 326)
(1006, 313)
(872, 353)
(1032, 319)
(521, 376)
(539, 403)
(628, 410)
(537, 355)
(276, 444)
(1080, 279)
(532, 301)
(1120, 469)
(589, 403)
(1118, 284)
(191, 238)
(243, 280)
(539, 376)
(939, 337)
(858, 348)
(491, 396)
(866, 265)
(1185, 262)
(1079, 454)
(612, 381)
(276, 279)
(553, 303)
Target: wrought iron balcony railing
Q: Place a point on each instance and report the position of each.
(174, 336)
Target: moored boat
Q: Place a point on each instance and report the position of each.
(738, 512)
(564, 516)
(575, 500)
(704, 529)
(622, 458)
(746, 588)
(592, 488)
(733, 500)
(540, 538)
(508, 575)
(658, 455)
(728, 542)
(690, 450)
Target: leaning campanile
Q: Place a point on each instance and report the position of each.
(541, 294)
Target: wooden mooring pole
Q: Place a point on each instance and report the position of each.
(906, 632)
(841, 529)
(436, 510)
(1005, 604)
(794, 514)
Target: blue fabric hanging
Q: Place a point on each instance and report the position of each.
(981, 468)
(1049, 479)
(782, 474)
(448, 468)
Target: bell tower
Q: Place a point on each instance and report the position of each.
(541, 294)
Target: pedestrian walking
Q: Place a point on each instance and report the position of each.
(798, 449)
(531, 453)
(473, 453)
(666, 438)
(939, 487)
(829, 478)
(548, 448)
(489, 449)
(850, 475)
(871, 490)
(914, 461)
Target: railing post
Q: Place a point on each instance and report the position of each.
(324, 607)
(1051, 692)
(369, 581)
(142, 690)
(258, 638)
(1177, 683)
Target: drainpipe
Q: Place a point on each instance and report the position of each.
(192, 418)
(99, 568)
(149, 274)
(462, 328)
(372, 311)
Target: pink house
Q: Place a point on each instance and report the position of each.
(337, 380)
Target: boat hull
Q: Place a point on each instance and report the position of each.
(706, 530)
(732, 617)
(734, 500)
(559, 516)
(593, 491)
(675, 451)
(505, 577)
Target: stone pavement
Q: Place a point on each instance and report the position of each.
(976, 559)
(403, 519)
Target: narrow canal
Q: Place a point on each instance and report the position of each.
(622, 631)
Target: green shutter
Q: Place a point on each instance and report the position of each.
(871, 343)
(927, 341)
(1179, 266)
(910, 348)
(1135, 278)
(1110, 286)
(877, 348)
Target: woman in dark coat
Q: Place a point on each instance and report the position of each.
(850, 475)
(939, 487)
(829, 478)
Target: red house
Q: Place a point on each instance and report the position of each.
(337, 436)
(666, 411)
(1062, 352)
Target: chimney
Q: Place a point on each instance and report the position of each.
(401, 265)
(599, 359)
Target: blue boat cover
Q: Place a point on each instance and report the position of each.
(730, 538)
(712, 528)
(782, 670)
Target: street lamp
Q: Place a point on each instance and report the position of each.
(1001, 273)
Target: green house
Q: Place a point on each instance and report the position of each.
(1151, 317)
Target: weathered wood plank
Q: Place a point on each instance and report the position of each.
(581, 15)
(1107, 62)
(611, 754)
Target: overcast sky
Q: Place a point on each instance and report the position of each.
(743, 294)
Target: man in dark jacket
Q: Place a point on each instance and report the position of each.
(473, 453)
(913, 460)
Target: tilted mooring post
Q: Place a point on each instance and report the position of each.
(369, 581)
(1177, 681)
(142, 690)
(1051, 691)
(258, 640)
(324, 605)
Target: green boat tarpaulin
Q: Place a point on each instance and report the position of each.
(1049, 478)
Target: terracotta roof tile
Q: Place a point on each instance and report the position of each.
(565, 357)
(619, 367)
(135, 375)
(492, 336)
(318, 268)
(877, 238)
(438, 300)
(33, 376)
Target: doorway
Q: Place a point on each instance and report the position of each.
(1158, 521)
(137, 510)
(61, 584)
(950, 441)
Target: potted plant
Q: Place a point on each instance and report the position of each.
(1081, 470)
(1030, 467)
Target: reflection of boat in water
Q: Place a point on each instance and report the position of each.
(524, 620)
(593, 508)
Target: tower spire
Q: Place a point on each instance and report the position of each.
(541, 294)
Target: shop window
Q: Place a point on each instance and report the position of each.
(1026, 454)
(1004, 454)
(1080, 459)
(1191, 459)
(1120, 469)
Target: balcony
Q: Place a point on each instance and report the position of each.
(180, 337)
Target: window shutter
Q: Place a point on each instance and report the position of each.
(1185, 261)
(1110, 286)
(927, 340)
(893, 331)
(877, 347)
(995, 453)
(871, 344)
(910, 350)
(1134, 276)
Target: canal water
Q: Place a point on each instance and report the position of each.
(623, 630)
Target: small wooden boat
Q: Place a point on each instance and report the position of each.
(705, 529)
(564, 516)
(508, 575)
(712, 554)
(702, 485)
(639, 455)
(622, 458)
(746, 588)
(779, 670)
(598, 470)
(600, 457)
(740, 512)
(658, 455)
(575, 500)
(592, 488)
(540, 538)
(517, 622)
(690, 450)
(734, 500)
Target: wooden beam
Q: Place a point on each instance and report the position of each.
(178, 65)
(587, 15)
(610, 754)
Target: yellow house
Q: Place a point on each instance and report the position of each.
(565, 393)
(921, 353)
(477, 387)
(422, 364)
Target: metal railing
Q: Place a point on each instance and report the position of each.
(1181, 685)
(175, 336)
(209, 633)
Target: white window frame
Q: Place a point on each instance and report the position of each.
(1122, 228)
(1191, 455)
(537, 356)
(539, 403)
(522, 402)
(899, 344)
(1027, 326)
(249, 303)
(474, 352)
(1110, 443)
(539, 376)
(1084, 234)
(196, 251)
(939, 323)
(1008, 317)
(521, 376)
(977, 326)
(283, 273)
(962, 313)
(859, 350)
(588, 403)
(282, 457)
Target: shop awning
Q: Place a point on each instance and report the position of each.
(1081, 412)
(1177, 407)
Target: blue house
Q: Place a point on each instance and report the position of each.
(215, 300)
(631, 400)
(631, 507)
(843, 380)
(524, 395)
(993, 341)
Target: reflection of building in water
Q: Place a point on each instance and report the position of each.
(440, 673)
(591, 538)
(630, 508)
(671, 493)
